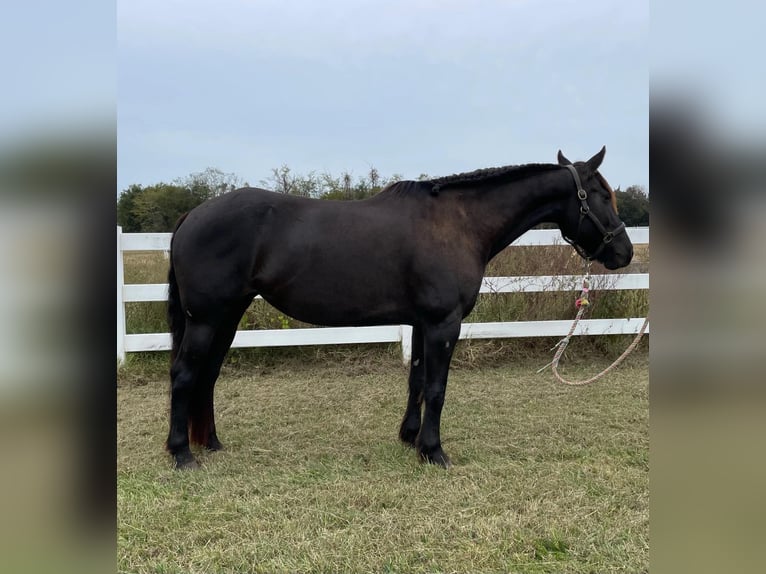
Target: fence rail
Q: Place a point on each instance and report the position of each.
(126, 342)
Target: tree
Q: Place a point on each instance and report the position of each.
(345, 188)
(633, 205)
(158, 207)
(126, 205)
(346, 183)
(331, 187)
(283, 180)
(308, 185)
(210, 183)
(374, 177)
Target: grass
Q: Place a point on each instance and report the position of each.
(547, 478)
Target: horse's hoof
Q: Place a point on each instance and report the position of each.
(214, 445)
(187, 464)
(437, 457)
(408, 436)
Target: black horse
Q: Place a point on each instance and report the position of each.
(413, 254)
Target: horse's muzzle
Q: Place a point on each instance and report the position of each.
(619, 257)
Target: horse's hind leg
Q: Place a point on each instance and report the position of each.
(184, 374)
(410, 427)
(202, 413)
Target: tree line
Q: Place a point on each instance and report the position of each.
(156, 208)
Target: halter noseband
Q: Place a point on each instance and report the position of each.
(585, 211)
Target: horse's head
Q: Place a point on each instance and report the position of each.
(591, 224)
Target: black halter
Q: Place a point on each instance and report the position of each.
(585, 211)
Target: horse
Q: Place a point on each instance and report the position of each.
(413, 254)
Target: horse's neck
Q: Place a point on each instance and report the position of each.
(508, 210)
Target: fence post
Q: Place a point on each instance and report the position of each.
(120, 303)
(406, 335)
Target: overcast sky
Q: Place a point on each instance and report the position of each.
(409, 87)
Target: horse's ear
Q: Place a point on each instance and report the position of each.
(596, 160)
(563, 160)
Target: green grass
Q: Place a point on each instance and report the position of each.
(547, 478)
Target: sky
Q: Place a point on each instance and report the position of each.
(408, 87)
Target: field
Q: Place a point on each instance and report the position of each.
(546, 478)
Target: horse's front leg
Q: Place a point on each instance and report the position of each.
(410, 427)
(439, 344)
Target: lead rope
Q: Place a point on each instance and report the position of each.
(582, 304)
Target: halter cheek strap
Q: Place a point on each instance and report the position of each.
(585, 211)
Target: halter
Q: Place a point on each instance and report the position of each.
(608, 236)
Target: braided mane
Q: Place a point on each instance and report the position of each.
(509, 172)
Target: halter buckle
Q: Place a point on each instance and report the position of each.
(582, 194)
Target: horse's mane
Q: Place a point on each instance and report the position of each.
(508, 172)
(478, 176)
(484, 175)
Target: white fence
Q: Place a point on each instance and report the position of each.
(392, 333)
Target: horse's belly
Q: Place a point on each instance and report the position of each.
(336, 306)
(335, 283)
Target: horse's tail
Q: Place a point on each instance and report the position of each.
(200, 400)
(176, 318)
